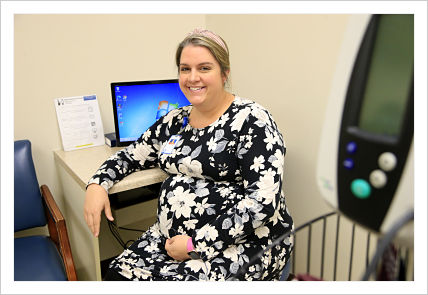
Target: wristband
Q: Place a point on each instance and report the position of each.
(190, 245)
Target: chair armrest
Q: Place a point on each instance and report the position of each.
(58, 231)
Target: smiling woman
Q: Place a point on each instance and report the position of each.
(222, 202)
(202, 81)
(203, 63)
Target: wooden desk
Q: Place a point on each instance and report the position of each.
(75, 169)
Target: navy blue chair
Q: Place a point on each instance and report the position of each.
(40, 257)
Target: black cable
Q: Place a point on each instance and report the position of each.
(277, 242)
(132, 229)
(115, 233)
(127, 244)
(385, 242)
(129, 241)
(114, 230)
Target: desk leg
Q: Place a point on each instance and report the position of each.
(84, 246)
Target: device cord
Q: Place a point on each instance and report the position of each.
(385, 242)
(114, 230)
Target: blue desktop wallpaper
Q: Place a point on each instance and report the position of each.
(139, 106)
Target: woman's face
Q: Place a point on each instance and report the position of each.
(200, 76)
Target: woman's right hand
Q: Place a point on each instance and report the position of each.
(96, 200)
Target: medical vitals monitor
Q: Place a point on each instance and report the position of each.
(365, 166)
(137, 105)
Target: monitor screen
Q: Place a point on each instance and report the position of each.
(390, 76)
(137, 106)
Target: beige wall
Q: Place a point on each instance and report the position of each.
(284, 62)
(71, 55)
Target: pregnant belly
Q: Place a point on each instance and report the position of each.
(187, 203)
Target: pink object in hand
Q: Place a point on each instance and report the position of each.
(190, 245)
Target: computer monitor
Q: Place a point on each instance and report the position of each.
(137, 105)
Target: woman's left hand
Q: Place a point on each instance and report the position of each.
(176, 247)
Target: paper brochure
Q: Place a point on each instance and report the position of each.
(79, 122)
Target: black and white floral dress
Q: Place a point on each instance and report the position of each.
(224, 190)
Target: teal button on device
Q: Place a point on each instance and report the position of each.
(361, 188)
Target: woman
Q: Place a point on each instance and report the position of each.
(222, 202)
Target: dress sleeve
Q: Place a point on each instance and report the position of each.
(260, 156)
(141, 154)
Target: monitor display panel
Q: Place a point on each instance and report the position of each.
(137, 105)
(389, 77)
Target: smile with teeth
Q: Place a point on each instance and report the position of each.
(196, 88)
